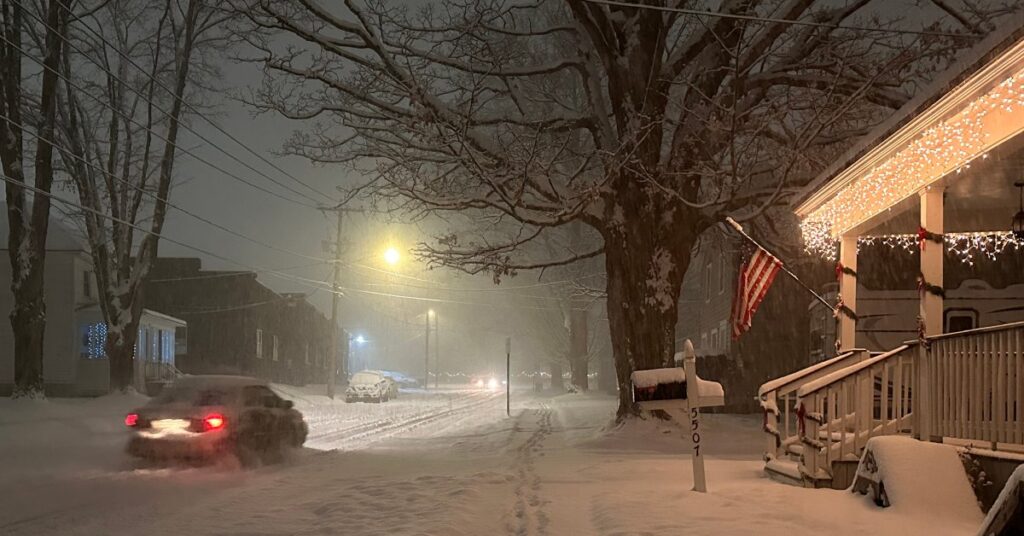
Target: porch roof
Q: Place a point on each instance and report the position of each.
(972, 109)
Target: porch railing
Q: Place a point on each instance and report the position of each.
(778, 400)
(977, 381)
(967, 385)
(838, 413)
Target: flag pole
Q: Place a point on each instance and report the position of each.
(739, 229)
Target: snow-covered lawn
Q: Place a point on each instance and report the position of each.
(441, 463)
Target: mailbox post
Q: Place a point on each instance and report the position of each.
(682, 393)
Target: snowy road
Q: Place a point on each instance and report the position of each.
(444, 462)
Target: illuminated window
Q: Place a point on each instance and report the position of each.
(275, 348)
(93, 340)
(259, 344)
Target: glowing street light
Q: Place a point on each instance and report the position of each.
(392, 256)
(360, 339)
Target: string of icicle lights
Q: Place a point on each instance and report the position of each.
(966, 247)
(949, 146)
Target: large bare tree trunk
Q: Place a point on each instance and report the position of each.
(26, 241)
(579, 355)
(644, 282)
(555, 368)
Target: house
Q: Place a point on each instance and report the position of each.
(74, 361)
(768, 350)
(236, 325)
(980, 291)
(939, 183)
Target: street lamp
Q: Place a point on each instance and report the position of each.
(392, 256)
(360, 339)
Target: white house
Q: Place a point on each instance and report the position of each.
(940, 179)
(74, 363)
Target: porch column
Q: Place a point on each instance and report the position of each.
(933, 251)
(848, 291)
(932, 255)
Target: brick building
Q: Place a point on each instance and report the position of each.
(236, 325)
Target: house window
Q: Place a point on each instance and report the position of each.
(714, 340)
(167, 346)
(93, 340)
(723, 332)
(307, 353)
(704, 341)
(180, 340)
(707, 283)
(87, 284)
(259, 344)
(961, 319)
(721, 274)
(275, 356)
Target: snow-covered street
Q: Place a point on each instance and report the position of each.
(431, 462)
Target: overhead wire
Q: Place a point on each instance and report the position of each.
(755, 18)
(170, 92)
(131, 119)
(65, 151)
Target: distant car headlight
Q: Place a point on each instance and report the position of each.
(479, 383)
(492, 383)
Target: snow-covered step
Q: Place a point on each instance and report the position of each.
(918, 478)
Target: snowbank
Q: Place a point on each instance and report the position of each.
(922, 480)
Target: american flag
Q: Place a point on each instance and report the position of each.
(756, 275)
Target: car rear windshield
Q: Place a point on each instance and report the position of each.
(207, 396)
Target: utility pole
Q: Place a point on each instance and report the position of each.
(332, 368)
(437, 349)
(508, 376)
(426, 352)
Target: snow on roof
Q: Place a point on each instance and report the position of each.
(59, 236)
(655, 377)
(967, 63)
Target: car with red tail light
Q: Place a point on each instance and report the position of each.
(200, 418)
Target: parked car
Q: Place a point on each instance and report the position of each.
(370, 385)
(400, 379)
(199, 418)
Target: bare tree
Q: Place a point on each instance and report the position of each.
(131, 69)
(28, 217)
(646, 124)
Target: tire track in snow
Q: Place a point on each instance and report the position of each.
(362, 435)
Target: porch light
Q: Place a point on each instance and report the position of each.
(1017, 226)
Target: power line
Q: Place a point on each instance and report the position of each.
(158, 135)
(182, 101)
(308, 282)
(65, 151)
(777, 20)
(312, 283)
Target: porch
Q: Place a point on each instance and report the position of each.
(944, 181)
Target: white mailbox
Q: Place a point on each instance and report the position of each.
(680, 392)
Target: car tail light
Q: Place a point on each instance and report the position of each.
(213, 421)
(132, 420)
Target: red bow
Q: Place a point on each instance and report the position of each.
(839, 271)
(922, 236)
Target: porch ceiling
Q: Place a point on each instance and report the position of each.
(947, 145)
(979, 198)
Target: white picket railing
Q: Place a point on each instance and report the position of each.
(778, 400)
(840, 412)
(977, 385)
(967, 385)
